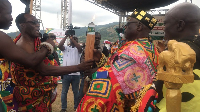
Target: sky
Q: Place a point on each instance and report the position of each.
(83, 13)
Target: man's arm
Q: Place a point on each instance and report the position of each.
(12, 52)
(76, 44)
(46, 70)
(61, 44)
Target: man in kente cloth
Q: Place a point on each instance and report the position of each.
(125, 82)
(88, 73)
(182, 24)
(33, 86)
(10, 52)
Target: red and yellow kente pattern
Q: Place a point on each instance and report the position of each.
(107, 95)
(33, 91)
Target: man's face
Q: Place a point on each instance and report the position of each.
(53, 37)
(5, 16)
(97, 39)
(170, 28)
(130, 28)
(76, 39)
(31, 26)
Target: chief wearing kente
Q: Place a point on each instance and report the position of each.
(125, 82)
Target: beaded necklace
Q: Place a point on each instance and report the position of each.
(36, 42)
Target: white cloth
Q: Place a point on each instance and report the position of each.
(71, 56)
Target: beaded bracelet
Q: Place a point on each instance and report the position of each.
(48, 46)
(102, 61)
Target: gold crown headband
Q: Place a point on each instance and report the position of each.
(145, 18)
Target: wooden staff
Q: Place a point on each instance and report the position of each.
(31, 6)
(90, 41)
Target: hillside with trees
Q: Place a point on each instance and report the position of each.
(107, 32)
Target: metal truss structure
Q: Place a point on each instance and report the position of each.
(122, 13)
(106, 6)
(111, 8)
(64, 12)
(36, 10)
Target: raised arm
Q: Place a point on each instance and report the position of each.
(76, 44)
(61, 44)
(62, 70)
(12, 52)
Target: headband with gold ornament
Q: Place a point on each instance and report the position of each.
(145, 18)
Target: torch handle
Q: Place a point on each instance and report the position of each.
(89, 46)
(90, 41)
(31, 6)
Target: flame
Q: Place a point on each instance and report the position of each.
(93, 18)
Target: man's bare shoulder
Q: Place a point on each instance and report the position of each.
(4, 38)
(3, 35)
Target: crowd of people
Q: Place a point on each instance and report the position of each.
(122, 80)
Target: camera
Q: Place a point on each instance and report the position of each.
(70, 31)
(119, 30)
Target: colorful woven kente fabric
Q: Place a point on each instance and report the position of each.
(32, 91)
(49, 61)
(6, 88)
(132, 68)
(104, 95)
(117, 45)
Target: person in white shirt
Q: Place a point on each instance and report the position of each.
(71, 56)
